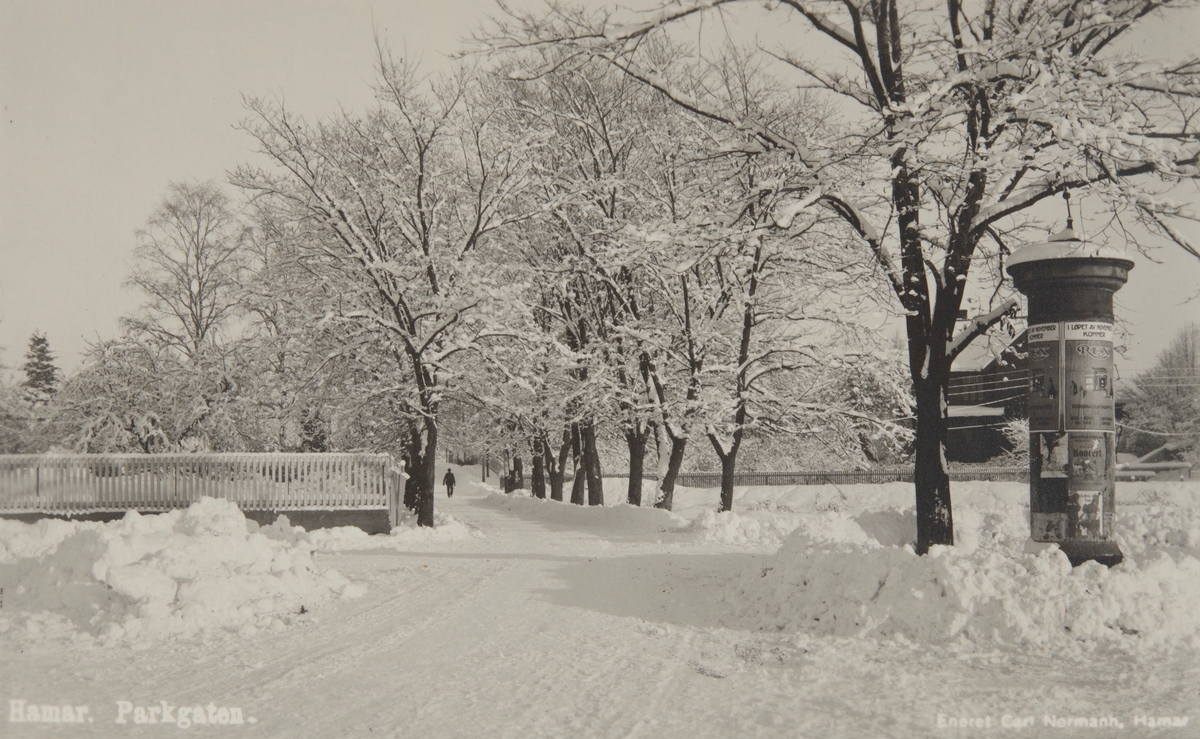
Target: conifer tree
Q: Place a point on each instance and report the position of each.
(41, 374)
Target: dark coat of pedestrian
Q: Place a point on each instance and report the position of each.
(448, 481)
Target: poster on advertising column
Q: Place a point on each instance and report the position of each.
(1087, 384)
(1044, 377)
(1090, 496)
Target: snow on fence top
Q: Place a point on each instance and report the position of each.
(65, 483)
(846, 477)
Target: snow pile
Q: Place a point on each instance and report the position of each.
(176, 573)
(846, 574)
(446, 528)
(743, 529)
(764, 515)
(19, 540)
(1158, 527)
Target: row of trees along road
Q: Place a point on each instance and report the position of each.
(554, 261)
(682, 318)
(555, 254)
(605, 234)
(963, 116)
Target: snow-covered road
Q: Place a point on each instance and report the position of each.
(554, 625)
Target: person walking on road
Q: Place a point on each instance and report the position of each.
(448, 481)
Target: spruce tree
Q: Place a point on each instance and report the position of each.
(41, 375)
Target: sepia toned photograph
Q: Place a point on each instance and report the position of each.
(571, 368)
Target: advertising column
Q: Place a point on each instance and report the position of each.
(1070, 286)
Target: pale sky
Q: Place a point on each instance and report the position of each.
(105, 103)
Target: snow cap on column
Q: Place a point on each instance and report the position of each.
(1063, 245)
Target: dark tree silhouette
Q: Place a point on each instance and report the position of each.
(41, 374)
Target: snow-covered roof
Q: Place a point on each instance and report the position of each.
(976, 356)
(1063, 245)
(973, 411)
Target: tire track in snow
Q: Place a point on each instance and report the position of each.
(421, 645)
(666, 679)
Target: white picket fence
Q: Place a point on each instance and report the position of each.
(78, 483)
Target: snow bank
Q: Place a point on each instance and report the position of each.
(19, 540)
(742, 529)
(176, 573)
(853, 573)
(446, 528)
(764, 515)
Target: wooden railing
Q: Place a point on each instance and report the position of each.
(65, 483)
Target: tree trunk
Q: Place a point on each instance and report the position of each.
(425, 489)
(636, 440)
(935, 524)
(729, 458)
(412, 465)
(537, 478)
(506, 478)
(558, 467)
(411, 485)
(577, 464)
(728, 463)
(577, 486)
(591, 463)
(666, 487)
